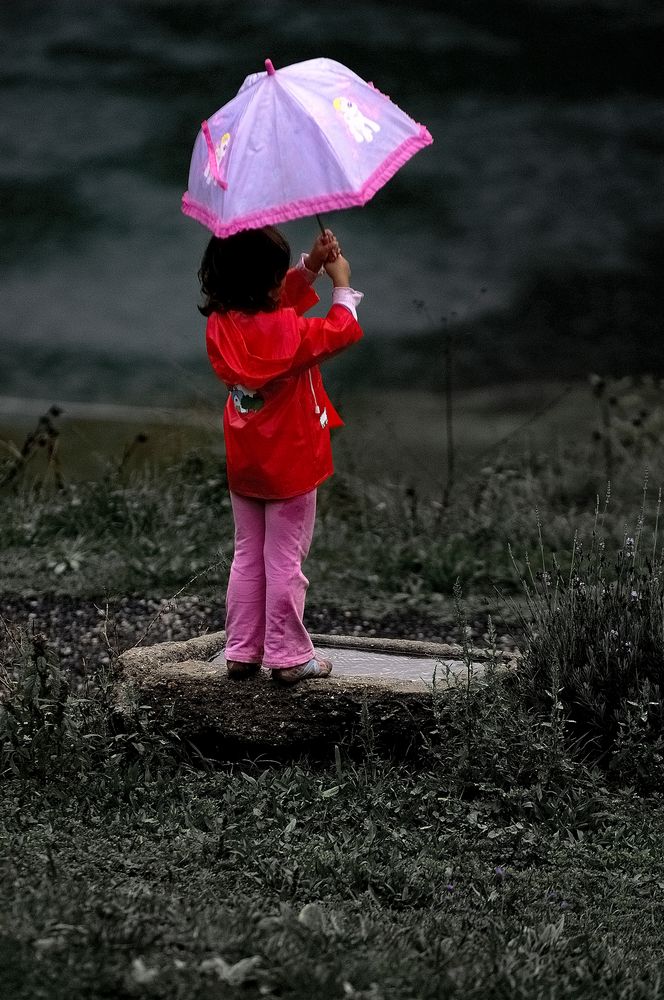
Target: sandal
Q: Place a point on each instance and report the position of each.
(316, 667)
(238, 671)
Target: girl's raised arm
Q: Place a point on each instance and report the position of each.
(323, 337)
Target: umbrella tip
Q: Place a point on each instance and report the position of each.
(269, 67)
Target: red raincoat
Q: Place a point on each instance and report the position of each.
(278, 416)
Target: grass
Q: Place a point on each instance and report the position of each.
(519, 856)
(112, 533)
(501, 866)
(286, 882)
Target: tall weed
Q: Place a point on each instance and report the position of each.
(50, 735)
(595, 646)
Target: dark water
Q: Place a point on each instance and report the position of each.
(534, 224)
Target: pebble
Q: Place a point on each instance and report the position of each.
(81, 632)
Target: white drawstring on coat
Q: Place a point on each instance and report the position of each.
(321, 416)
(311, 383)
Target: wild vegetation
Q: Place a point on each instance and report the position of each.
(520, 856)
(140, 527)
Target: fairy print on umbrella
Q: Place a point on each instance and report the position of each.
(360, 127)
(219, 153)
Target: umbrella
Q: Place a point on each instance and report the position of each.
(308, 138)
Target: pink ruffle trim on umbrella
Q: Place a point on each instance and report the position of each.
(311, 206)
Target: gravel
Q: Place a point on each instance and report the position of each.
(88, 634)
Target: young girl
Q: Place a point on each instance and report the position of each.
(277, 424)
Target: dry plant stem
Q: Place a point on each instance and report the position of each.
(572, 566)
(470, 465)
(113, 651)
(607, 500)
(129, 450)
(45, 433)
(468, 661)
(541, 541)
(449, 419)
(27, 452)
(642, 515)
(169, 603)
(11, 448)
(656, 528)
(492, 662)
(605, 412)
(54, 461)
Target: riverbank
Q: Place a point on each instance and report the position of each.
(381, 425)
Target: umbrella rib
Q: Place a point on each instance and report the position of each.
(236, 126)
(300, 105)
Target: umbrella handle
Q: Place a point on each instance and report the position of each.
(212, 156)
(320, 223)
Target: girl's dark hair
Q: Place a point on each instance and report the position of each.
(240, 271)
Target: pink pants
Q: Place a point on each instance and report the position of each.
(266, 586)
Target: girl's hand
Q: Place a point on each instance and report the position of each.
(339, 270)
(324, 250)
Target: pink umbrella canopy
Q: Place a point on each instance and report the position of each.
(308, 138)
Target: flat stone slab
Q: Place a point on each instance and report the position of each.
(388, 683)
(422, 671)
